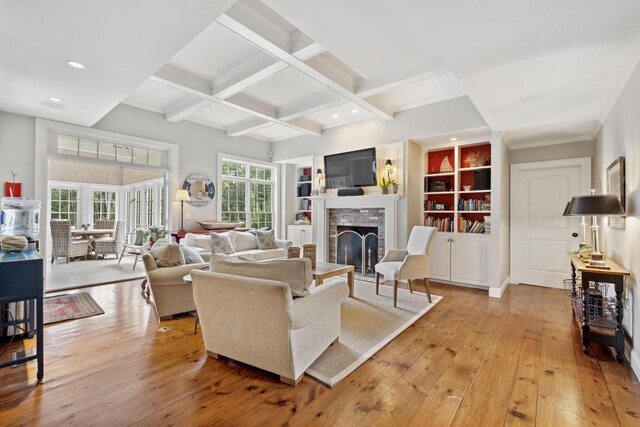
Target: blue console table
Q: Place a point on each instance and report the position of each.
(21, 280)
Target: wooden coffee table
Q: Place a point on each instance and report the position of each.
(324, 270)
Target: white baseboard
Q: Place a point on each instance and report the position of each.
(498, 292)
(634, 360)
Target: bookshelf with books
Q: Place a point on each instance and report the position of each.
(304, 187)
(457, 201)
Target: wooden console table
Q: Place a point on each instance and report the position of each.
(615, 275)
(21, 280)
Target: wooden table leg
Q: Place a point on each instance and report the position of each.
(40, 336)
(351, 279)
(319, 281)
(619, 335)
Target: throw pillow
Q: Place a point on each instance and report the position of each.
(190, 255)
(221, 243)
(245, 241)
(294, 272)
(266, 239)
(156, 233)
(167, 254)
(141, 236)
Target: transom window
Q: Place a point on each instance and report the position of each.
(246, 194)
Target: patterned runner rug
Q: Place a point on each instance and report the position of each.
(368, 323)
(70, 306)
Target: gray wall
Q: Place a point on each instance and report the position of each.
(17, 145)
(572, 150)
(620, 136)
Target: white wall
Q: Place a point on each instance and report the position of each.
(17, 144)
(199, 148)
(620, 136)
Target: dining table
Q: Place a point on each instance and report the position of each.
(92, 232)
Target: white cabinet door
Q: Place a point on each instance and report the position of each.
(306, 238)
(295, 235)
(469, 259)
(440, 267)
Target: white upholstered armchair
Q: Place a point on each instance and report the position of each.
(408, 264)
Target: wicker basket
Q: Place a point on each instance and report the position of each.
(293, 252)
(309, 251)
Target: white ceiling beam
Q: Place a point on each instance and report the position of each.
(186, 107)
(241, 19)
(246, 75)
(193, 85)
(310, 105)
(247, 126)
(370, 87)
(303, 47)
(181, 80)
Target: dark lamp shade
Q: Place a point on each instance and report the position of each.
(388, 163)
(598, 204)
(319, 172)
(566, 209)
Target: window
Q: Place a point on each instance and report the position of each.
(149, 192)
(138, 201)
(64, 204)
(163, 208)
(104, 205)
(123, 153)
(247, 194)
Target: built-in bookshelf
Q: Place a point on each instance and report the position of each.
(304, 186)
(457, 188)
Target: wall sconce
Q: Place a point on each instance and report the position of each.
(320, 177)
(182, 196)
(387, 166)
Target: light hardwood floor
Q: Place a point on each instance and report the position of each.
(471, 361)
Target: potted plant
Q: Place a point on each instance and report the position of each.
(394, 187)
(384, 185)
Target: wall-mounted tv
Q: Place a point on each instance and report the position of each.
(352, 169)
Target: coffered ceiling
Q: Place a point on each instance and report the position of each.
(538, 71)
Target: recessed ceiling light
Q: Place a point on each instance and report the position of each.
(453, 139)
(56, 105)
(335, 116)
(76, 64)
(354, 111)
(54, 99)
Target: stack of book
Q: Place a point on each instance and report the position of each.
(441, 224)
(470, 226)
(487, 225)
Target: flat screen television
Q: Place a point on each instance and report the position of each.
(351, 169)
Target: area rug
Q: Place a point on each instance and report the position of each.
(369, 322)
(70, 306)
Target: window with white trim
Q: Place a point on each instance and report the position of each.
(64, 204)
(104, 205)
(247, 193)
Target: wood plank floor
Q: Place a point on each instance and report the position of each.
(471, 361)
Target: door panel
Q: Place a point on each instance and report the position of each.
(440, 258)
(540, 235)
(469, 260)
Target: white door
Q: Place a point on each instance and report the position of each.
(469, 259)
(540, 235)
(441, 258)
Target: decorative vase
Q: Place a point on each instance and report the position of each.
(309, 251)
(293, 252)
(394, 189)
(384, 191)
(14, 244)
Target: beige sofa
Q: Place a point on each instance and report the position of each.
(170, 294)
(257, 321)
(246, 246)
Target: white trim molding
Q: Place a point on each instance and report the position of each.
(498, 292)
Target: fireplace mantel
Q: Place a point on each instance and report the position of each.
(320, 224)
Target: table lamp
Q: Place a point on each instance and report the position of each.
(182, 196)
(595, 205)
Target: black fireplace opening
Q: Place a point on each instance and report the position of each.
(357, 246)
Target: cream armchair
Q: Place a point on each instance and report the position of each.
(408, 264)
(257, 322)
(170, 294)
